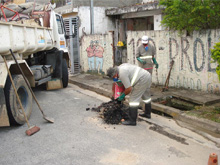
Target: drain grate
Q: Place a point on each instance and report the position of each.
(177, 103)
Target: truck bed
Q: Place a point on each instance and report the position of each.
(24, 39)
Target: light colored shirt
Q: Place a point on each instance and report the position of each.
(127, 72)
(99, 51)
(146, 55)
(90, 51)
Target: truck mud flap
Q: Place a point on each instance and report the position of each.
(4, 120)
(55, 60)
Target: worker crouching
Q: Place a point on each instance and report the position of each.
(137, 83)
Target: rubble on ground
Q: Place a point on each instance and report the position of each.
(112, 112)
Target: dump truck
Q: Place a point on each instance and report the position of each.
(42, 56)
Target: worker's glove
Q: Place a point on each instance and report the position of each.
(121, 97)
(141, 61)
(155, 62)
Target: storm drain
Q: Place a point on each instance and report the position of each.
(177, 103)
(174, 102)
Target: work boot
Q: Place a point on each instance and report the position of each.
(147, 112)
(132, 117)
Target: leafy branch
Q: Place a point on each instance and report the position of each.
(216, 57)
(191, 15)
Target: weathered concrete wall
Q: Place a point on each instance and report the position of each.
(102, 23)
(96, 53)
(157, 24)
(192, 68)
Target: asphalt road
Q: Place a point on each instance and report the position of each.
(79, 137)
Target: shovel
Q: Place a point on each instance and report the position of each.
(50, 120)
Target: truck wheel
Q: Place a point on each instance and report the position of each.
(15, 114)
(65, 76)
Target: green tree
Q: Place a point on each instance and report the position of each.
(216, 57)
(191, 15)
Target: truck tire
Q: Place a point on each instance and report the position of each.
(15, 114)
(65, 76)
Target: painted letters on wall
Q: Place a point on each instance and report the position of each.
(192, 67)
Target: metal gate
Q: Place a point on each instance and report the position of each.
(71, 25)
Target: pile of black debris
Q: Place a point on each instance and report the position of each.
(112, 112)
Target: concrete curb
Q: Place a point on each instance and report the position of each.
(194, 122)
(92, 88)
(202, 124)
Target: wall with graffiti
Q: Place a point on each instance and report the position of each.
(96, 53)
(192, 67)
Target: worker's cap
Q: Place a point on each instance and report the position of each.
(112, 71)
(144, 40)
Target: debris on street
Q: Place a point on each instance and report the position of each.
(112, 112)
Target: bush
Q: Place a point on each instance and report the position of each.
(216, 57)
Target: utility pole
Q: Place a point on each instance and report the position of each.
(92, 17)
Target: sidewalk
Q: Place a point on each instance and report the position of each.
(102, 85)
